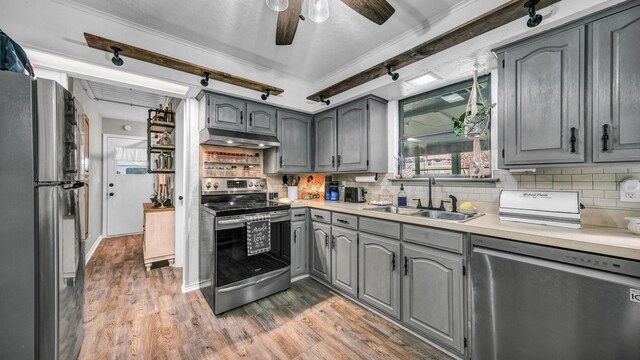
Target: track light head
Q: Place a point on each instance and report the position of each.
(116, 59)
(325, 101)
(205, 82)
(534, 19)
(394, 76)
(265, 96)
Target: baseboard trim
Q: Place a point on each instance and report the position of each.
(193, 287)
(299, 277)
(93, 249)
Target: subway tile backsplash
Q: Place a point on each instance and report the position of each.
(598, 186)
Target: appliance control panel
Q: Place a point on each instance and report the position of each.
(226, 185)
(630, 190)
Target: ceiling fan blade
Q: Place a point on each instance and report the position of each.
(377, 11)
(288, 23)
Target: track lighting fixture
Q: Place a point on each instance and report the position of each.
(534, 19)
(265, 96)
(116, 59)
(394, 76)
(205, 82)
(325, 101)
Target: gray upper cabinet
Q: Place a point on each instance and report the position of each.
(353, 139)
(616, 85)
(320, 266)
(261, 119)
(294, 133)
(379, 273)
(344, 260)
(299, 246)
(226, 113)
(433, 295)
(542, 99)
(326, 142)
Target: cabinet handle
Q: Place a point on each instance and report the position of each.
(339, 160)
(298, 215)
(406, 266)
(241, 117)
(342, 221)
(326, 240)
(280, 160)
(605, 137)
(318, 217)
(333, 161)
(295, 236)
(251, 119)
(393, 262)
(573, 140)
(333, 242)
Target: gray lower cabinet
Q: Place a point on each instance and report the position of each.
(353, 137)
(226, 113)
(344, 260)
(616, 76)
(320, 266)
(326, 142)
(542, 98)
(379, 273)
(299, 245)
(261, 119)
(433, 295)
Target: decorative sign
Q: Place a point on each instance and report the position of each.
(258, 234)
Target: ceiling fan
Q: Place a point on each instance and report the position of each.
(290, 13)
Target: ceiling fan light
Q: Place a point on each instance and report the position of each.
(278, 5)
(318, 10)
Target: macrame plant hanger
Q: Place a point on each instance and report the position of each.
(476, 125)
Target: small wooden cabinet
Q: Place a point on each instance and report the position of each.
(159, 231)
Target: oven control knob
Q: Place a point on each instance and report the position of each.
(262, 184)
(250, 184)
(215, 185)
(208, 185)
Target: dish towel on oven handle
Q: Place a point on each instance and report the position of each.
(258, 234)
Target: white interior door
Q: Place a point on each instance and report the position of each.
(127, 185)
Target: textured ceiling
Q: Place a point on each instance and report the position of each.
(245, 29)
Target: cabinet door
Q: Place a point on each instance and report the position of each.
(353, 137)
(344, 260)
(379, 273)
(321, 252)
(616, 85)
(294, 132)
(326, 142)
(432, 295)
(298, 248)
(262, 119)
(226, 113)
(544, 93)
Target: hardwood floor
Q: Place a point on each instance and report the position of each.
(132, 313)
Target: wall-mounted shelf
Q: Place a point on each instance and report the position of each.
(160, 122)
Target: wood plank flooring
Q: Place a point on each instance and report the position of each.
(134, 314)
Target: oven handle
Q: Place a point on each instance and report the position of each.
(231, 222)
(238, 287)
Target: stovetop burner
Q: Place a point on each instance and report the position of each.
(236, 204)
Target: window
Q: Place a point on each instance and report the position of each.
(427, 140)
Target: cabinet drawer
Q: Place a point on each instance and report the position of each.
(344, 220)
(440, 239)
(299, 214)
(380, 227)
(321, 216)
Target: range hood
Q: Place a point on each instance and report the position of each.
(237, 139)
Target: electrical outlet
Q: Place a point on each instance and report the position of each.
(630, 190)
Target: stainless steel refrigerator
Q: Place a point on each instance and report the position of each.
(41, 247)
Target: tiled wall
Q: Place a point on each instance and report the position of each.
(598, 186)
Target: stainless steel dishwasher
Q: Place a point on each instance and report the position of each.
(538, 302)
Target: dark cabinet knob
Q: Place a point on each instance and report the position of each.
(111, 194)
(180, 197)
(110, 184)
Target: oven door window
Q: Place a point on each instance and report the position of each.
(232, 262)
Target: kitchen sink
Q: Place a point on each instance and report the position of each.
(448, 216)
(431, 214)
(396, 210)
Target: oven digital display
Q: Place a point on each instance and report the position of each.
(236, 184)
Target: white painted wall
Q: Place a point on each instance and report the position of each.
(95, 164)
(115, 127)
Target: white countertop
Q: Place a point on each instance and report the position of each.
(594, 239)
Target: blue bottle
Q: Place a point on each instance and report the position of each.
(402, 197)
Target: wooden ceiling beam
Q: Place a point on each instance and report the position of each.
(137, 53)
(502, 15)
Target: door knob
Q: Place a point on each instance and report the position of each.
(110, 184)
(111, 194)
(180, 197)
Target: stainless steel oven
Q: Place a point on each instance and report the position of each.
(229, 276)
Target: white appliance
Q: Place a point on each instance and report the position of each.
(557, 208)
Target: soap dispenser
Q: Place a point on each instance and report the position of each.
(402, 197)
